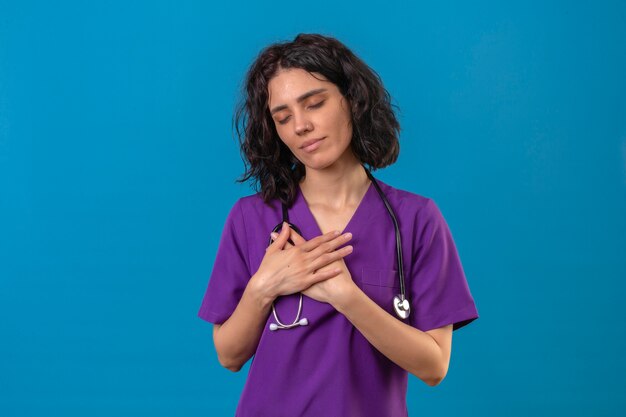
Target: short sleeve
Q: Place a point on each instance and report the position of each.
(438, 288)
(230, 273)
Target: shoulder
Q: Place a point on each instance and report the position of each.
(407, 202)
(418, 212)
(255, 201)
(253, 206)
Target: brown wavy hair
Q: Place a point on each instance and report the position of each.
(268, 160)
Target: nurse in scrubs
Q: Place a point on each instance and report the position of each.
(312, 118)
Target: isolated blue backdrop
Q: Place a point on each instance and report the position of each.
(117, 169)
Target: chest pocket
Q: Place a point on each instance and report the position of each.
(381, 285)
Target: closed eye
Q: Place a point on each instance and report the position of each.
(315, 106)
(312, 106)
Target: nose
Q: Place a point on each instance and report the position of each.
(302, 125)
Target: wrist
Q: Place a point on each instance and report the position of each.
(259, 292)
(343, 300)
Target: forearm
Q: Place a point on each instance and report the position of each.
(410, 348)
(237, 338)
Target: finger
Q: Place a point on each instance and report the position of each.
(316, 241)
(275, 236)
(280, 241)
(297, 239)
(319, 276)
(330, 257)
(330, 245)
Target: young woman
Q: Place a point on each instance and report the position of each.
(362, 284)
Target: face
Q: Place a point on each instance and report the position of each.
(305, 108)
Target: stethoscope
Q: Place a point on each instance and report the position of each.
(400, 303)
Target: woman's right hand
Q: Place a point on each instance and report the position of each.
(285, 271)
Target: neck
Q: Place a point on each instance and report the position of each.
(337, 186)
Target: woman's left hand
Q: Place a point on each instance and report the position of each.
(332, 290)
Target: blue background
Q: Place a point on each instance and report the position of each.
(117, 169)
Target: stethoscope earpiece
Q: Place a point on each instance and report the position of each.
(301, 322)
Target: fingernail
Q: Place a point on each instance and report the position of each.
(274, 235)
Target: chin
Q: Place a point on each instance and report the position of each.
(320, 164)
(321, 160)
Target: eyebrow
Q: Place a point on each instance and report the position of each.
(299, 99)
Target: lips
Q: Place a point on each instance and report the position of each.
(309, 142)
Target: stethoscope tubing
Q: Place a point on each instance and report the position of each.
(397, 230)
(399, 301)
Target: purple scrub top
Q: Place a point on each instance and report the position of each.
(328, 368)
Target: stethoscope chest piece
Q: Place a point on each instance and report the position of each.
(401, 305)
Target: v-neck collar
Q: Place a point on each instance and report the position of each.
(310, 228)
